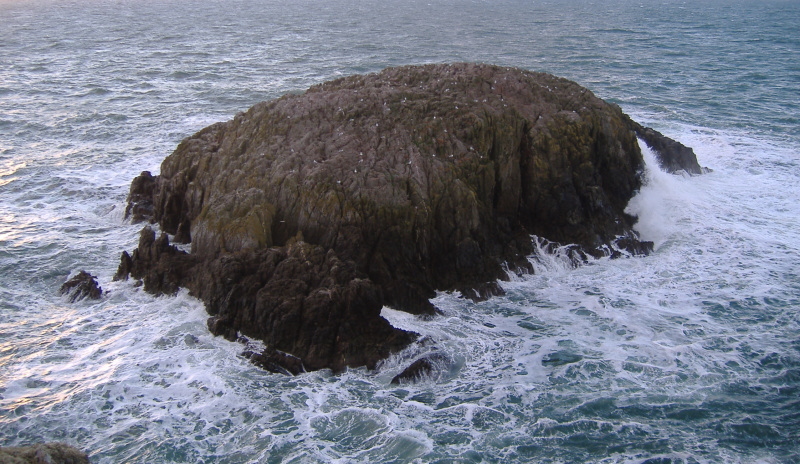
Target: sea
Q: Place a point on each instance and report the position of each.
(689, 355)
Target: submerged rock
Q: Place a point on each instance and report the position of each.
(560, 358)
(426, 367)
(309, 213)
(46, 453)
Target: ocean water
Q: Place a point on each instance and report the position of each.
(690, 355)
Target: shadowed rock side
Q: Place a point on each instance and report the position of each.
(309, 213)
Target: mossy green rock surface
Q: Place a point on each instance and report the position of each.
(309, 213)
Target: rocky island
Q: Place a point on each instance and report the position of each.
(308, 214)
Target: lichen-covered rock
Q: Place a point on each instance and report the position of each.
(308, 213)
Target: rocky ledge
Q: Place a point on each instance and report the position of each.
(309, 213)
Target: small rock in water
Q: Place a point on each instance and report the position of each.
(420, 369)
(83, 285)
(560, 358)
(276, 362)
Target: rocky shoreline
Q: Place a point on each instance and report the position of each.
(307, 214)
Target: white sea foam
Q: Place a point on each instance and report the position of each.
(663, 202)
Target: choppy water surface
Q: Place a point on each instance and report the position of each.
(689, 355)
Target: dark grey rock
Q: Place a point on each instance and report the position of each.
(672, 155)
(140, 198)
(83, 285)
(426, 367)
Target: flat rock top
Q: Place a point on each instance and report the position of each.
(396, 119)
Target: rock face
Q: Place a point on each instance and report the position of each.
(309, 213)
(47, 453)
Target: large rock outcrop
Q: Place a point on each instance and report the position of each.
(309, 213)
